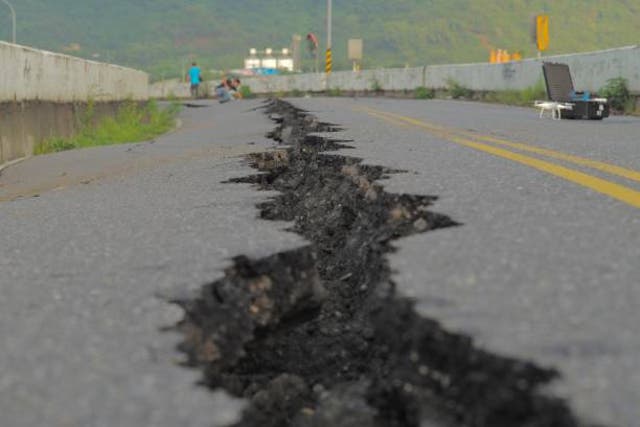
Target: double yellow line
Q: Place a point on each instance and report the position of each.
(498, 147)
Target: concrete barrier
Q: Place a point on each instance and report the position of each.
(590, 70)
(387, 79)
(25, 124)
(41, 94)
(28, 74)
(170, 89)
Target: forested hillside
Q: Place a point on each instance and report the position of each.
(159, 36)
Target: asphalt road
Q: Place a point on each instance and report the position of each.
(546, 264)
(91, 240)
(544, 267)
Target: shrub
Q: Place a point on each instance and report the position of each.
(336, 91)
(424, 93)
(376, 86)
(458, 91)
(245, 91)
(617, 92)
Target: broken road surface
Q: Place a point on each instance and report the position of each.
(530, 253)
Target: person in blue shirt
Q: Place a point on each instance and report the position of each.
(195, 77)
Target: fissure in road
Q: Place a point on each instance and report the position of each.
(317, 336)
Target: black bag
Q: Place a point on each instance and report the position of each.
(587, 110)
(583, 105)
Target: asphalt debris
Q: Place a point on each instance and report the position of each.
(318, 336)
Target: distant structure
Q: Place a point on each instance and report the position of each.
(269, 61)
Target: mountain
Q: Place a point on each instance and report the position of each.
(162, 36)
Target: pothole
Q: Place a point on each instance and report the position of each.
(317, 336)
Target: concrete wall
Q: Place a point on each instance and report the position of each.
(590, 71)
(387, 79)
(170, 89)
(28, 74)
(42, 92)
(24, 124)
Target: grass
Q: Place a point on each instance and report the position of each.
(424, 93)
(132, 123)
(616, 91)
(335, 92)
(524, 97)
(296, 93)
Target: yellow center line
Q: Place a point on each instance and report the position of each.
(390, 120)
(611, 189)
(593, 164)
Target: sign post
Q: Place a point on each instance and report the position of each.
(329, 59)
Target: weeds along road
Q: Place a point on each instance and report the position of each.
(545, 265)
(83, 265)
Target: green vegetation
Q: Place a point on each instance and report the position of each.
(424, 93)
(164, 36)
(524, 97)
(133, 122)
(245, 92)
(376, 86)
(296, 93)
(457, 91)
(617, 92)
(336, 91)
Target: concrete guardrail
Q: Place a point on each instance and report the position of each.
(28, 74)
(39, 91)
(590, 71)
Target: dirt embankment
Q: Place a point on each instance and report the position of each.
(318, 336)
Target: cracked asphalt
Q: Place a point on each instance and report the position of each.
(543, 268)
(90, 243)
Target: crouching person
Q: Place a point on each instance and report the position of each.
(235, 88)
(223, 91)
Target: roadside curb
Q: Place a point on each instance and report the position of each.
(12, 162)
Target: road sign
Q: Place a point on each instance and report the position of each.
(542, 32)
(354, 49)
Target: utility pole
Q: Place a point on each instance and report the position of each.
(329, 61)
(295, 52)
(13, 18)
